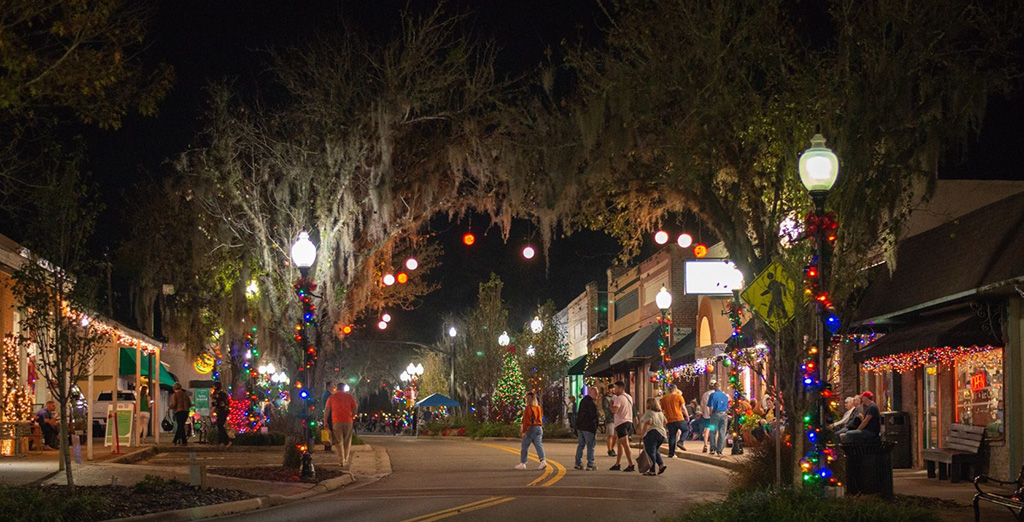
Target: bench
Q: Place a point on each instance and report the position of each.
(958, 456)
(1010, 499)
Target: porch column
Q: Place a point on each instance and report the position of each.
(90, 398)
(155, 392)
(138, 387)
(1013, 378)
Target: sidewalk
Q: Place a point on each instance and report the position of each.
(955, 500)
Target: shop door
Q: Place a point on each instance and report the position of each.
(931, 406)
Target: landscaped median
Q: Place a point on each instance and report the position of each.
(152, 484)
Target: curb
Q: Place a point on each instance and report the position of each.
(700, 457)
(202, 512)
(134, 456)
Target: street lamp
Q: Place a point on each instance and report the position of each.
(303, 255)
(503, 339)
(452, 332)
(664, 301)
(536, 325)
(819, 168)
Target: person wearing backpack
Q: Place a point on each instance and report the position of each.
(222, 408)
(179, 406)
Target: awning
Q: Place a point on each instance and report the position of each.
(437, 400)
(681, 353)
(577, 366)
(748, 337)
(646, 338)
(962, 327)
(126, 366)
(602, 365)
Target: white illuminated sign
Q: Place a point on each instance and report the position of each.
(712, 277)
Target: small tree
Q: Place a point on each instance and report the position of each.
(53, 290)
(509, 393)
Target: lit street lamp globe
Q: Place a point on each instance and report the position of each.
(419, 369)
(531, 351)
(536, 325)
(819, 166)
(303, 252)
(452, 332)
(404, 377)
(663, 299)
(503, 339)
(684, 240)
(411, 369)
(661, 237)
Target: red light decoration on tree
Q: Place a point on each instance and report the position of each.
(402, 278)
(468, 239)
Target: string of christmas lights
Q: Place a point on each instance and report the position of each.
(304, 289)
(17, 399)
(741, 357)
(664, 323)
(943, 356)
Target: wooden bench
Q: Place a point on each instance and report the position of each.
(958, 456)
(1010, 499)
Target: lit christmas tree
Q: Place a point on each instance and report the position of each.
(509, 395)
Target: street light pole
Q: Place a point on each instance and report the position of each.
(452, 332)
(664, 301)
(303, 255)
(819, 168)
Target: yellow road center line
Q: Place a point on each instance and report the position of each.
(423, 518)
(552, 466)
(495, 502)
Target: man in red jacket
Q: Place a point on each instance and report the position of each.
(338, 415)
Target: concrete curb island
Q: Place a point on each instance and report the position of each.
(229, 508)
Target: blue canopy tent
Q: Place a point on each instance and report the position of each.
(433, 401)
(436, 400)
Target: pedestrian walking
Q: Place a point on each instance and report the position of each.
(677, 419)
(652, 425)
(622, 408)
(705, 414)
(609, 420)
(339, 414)
(533, 432)
(571, 412)
(718, 405)
(221, 408)
(586, 428)
(179, 406)
(144, 412)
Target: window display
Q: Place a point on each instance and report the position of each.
(979, 392)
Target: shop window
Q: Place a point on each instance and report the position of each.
(979, 392)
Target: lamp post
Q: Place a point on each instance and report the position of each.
(452, 332)
(303, 255)
(664, 301)
(819, 168)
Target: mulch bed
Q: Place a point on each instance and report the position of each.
(126, 501)
(277, 474)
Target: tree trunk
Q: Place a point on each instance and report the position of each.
(64, 449)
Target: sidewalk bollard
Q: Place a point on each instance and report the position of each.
(196, 472)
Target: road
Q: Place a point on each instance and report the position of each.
(461, 480)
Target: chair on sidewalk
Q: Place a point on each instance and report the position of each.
(958, 456)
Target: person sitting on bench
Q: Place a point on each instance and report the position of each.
(870, 426)
(48, 424)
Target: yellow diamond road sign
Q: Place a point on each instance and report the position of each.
(773, 295)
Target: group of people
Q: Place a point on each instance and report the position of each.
(861, 421)
(619, 413)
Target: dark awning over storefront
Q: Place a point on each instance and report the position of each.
(577, 366)
(603, 364)
(643, 345)
(126, 366)
(962, 327)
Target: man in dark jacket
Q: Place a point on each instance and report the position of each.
(586, 428)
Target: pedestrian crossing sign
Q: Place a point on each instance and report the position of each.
(773, 296)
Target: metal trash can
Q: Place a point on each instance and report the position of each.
(896, 429)
(868, 468)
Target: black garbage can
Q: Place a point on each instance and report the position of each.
(868, 467)
(896, 429)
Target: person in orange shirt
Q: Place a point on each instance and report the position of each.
(676, 416)
(338, 414)
(533, 431)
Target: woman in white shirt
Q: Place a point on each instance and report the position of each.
(652, 425)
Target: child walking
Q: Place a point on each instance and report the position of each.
(533, 431)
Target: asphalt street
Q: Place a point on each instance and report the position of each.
(462, 480)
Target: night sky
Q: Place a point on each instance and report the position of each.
(209, 40)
